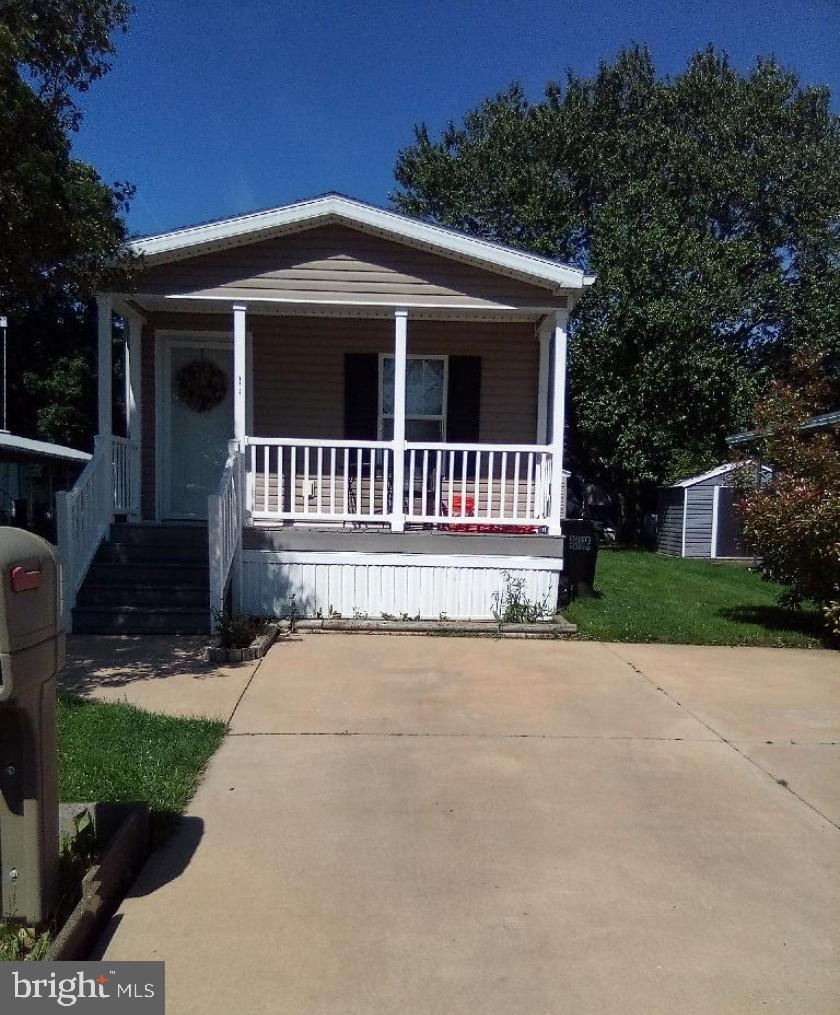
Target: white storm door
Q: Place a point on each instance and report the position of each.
(196, 439)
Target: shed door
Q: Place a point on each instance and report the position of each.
(730, 542)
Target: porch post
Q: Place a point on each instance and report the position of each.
(544, 337)
(558, 419)
(104, 443)
(105, 365)
(239, 386)
(400, 357)
(133, 421)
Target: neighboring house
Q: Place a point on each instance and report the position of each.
(824, 421)
(369, 410)
(32, 472)
(697, 517)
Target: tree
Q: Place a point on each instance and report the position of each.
(708, 206)
(60, 225)
(793, 523)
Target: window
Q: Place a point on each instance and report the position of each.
(425, 398)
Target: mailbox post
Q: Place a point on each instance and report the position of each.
(31, 654)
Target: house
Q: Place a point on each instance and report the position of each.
(697, 517)
(327, 401)
(32, 472)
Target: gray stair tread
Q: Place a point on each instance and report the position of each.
(153, 610)
(147, 579)
(163, 564)
(147, 586)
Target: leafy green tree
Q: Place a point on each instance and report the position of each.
(60, 224)
(708, 206)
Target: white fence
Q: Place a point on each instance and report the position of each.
(224, 522)
(448, 485)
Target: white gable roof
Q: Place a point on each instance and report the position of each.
(721, 470)
(335, 208)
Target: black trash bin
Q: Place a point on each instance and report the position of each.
(580, 553)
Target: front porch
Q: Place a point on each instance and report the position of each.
(453, 510)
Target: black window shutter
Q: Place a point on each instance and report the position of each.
(361, 395)
(463, 400)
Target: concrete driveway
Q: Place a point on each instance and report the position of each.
(417, 826)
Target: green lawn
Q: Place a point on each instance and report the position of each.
(645, 597)
(115, 752)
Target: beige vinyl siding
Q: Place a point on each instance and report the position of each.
(336, 263)
(299, 371)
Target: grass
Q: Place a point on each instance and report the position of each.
(645, 597)
(116, 752)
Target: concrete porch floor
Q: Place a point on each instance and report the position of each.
(449, 825)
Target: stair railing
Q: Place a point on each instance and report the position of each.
(225, 516)
(126, 477)
(83, 517)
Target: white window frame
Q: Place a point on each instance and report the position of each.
(382, 416)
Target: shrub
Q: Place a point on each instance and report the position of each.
(793, 524)
(512, 606)
(239, 630)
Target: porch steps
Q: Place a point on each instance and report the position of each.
(148, 579)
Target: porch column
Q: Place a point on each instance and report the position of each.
(133, 419)
(400, 357)
(104, 442)
(239, 385)
(104, 364)
(544, 337)
(558, 418)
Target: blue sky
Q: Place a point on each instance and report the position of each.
(216, 107)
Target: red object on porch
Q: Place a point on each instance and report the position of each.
(487, 527)
(469, 506)
(454, 511)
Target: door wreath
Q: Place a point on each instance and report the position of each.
(201, 385)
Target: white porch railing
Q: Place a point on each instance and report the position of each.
(224, 522)
(83, 517)
(449, 485)
(320, 480)
(466, 485)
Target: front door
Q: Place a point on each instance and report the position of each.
(198, 410)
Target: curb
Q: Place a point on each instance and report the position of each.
(477, 628)
(105, 884)
(217, 654)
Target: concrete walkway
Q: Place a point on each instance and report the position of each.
(413, 826)
(161, 673)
